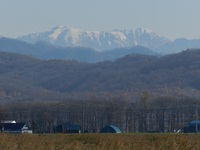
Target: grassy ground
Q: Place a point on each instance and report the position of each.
(100, 142)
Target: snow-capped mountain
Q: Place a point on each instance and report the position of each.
(98, 40)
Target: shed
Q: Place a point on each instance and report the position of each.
(191, 128)
(110, 129)
(71, 128)
(67, 128)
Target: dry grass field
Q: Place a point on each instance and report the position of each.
(100, 142)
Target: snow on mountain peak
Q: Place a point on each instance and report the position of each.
(98, 40)
(119, 35)
(65, 33)
(55, 32)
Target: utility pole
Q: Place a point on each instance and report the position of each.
(196, 118)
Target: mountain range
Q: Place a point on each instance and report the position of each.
(106, 40)
(98, 40)
(94, 46)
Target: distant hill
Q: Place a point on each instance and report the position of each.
(121, 52)
(178, 45)
(44, 50)
(27, 78)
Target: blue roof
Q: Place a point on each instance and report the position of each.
(110, 129)
(194, 122)
(116, 128)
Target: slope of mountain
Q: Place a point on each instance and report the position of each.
(98, 40)
(121, 52)
(44, 50)
(13, 86)
(32, 79)
(178, 45)
(102, 40)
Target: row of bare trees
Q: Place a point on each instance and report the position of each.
(163, 114)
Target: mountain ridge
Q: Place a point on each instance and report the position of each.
(98, 40)
(45, 50)
(106, 40)
(33, 79)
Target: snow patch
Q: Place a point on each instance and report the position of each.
(98, 40)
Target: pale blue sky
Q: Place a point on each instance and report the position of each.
(171, 18)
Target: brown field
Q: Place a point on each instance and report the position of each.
(100, 142)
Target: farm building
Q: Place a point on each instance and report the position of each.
(71, 128)
(110, 129)
(14, 128)
(67, 128)
(193, 126)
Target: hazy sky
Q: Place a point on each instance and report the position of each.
(171, 18)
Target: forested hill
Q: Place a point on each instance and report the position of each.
(26, 78)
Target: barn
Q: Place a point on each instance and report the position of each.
(110, 129)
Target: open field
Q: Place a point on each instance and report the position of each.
(100, 142)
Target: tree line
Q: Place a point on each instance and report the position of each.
(162, 114)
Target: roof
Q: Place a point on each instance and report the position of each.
(8, 121)
(194, 122)
(110, 129)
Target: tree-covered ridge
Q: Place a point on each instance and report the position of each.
(26, 78)
(23, 76)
